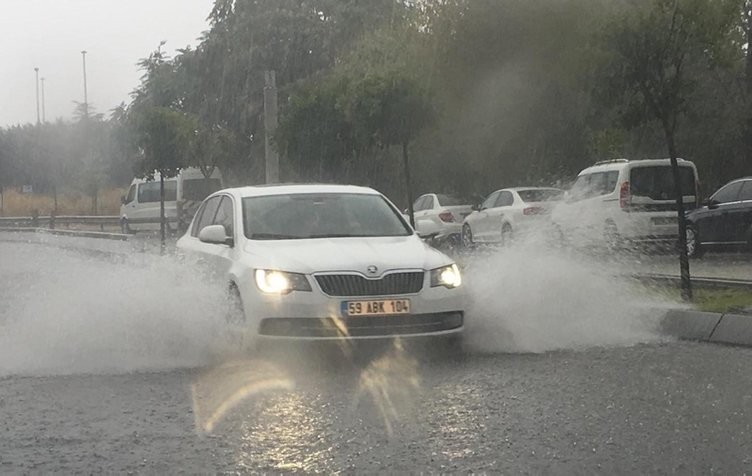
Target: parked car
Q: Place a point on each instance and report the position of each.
(440, 213)
(724, 220)
(183, 194)
(616, 202)
(509, 212)
(324, 262)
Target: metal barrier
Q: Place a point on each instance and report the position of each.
(53, 221)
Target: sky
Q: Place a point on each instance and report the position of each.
(50, 35)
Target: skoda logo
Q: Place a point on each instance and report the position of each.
(372, 270)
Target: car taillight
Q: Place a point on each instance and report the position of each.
(533, 211)
(625, 199)
(446, 217)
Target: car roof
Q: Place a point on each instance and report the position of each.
(619, 164)
(296, 188)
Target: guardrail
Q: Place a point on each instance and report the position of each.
(53, 221)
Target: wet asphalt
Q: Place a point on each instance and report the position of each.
(680, 408)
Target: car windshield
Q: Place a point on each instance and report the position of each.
(657, 183)
(540, 195)
(320, 215)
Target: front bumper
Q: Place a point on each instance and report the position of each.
(366, 327)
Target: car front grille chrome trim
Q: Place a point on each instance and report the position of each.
(357, 285)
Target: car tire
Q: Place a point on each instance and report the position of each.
(694, 250)
(506, 234)
(125, 227)
(467, 236)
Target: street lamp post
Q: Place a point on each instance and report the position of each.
(86, 99)
(36, 72)
(44, 116)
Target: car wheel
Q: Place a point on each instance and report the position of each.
(467, 236)
(611, 237)
(506, 234)
(694, 249)
(124, 227)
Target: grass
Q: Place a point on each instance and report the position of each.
(16, 204)
(710, 299)
(722, 300)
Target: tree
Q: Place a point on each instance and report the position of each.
(658, 46)
(388, 110)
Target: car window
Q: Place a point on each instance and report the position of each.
(594, 185)
(746, 193)
(131, 194)
(224, 215)
(208, 211)
(727, 193)
(490, 201)
(320, 215)
(149, 191)
(505, 199)
(657, 182)
(540, 195)
(419, 204)
(450, 201)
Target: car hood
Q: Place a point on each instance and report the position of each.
(344, 254)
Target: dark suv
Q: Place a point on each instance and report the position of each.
(724, 220)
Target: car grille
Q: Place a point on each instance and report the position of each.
(355, 285)
(365, 326)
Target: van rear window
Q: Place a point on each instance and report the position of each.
(657, 182)
(149, 191)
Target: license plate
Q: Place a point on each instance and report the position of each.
(380, 307)
(664, 221)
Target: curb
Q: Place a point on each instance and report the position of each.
(728, 328)
(76, 233)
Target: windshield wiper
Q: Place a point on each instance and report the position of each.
(334, 235)
(273, 236)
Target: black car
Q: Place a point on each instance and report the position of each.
(724, 220)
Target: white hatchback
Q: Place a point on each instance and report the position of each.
(320, 262)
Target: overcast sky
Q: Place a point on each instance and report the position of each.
(50, 34)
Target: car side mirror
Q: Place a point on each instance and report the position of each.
(215, 234)
(711, 204)
(477, 207)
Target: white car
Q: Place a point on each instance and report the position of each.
(622, 201)
(509, 213)
(439, 213)
(325, 262)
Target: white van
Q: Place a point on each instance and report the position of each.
(183, 194)
(619, 201)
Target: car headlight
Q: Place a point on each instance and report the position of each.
(448, 276)
(280, 282)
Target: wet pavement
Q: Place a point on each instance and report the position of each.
(668, 408)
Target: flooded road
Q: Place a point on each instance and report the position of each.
(114, 361)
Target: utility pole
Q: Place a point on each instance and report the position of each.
(86, 98)
(44, 118)
(270, 126)
(36, 72)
